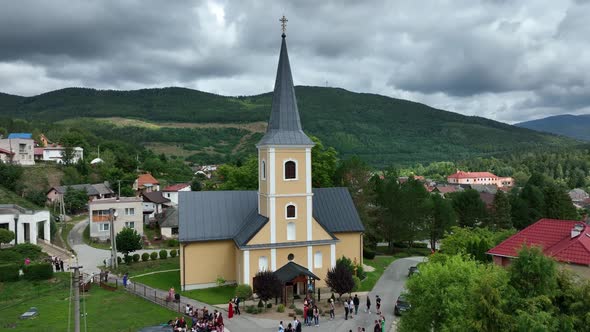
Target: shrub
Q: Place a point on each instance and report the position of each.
(281, 308)
(292, 306)
(172, 243)
(357, 283)
(220, 281)
(154, 256)
(136, 258)
(298, 311)
(41, 271)
(173, 253)
(28, 250)
(259, 310)
(145, 257)
(251, 309)
(268, 305)
(260, 304)
(9, 272)
(163, 254)
(244, 292)
(10, 256)
(419, 245)
(128, 259)
(119, 260)
(400, 244)
(368, 253)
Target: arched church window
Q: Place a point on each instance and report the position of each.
(263, 170)
(262, 263)
(291, 211)
(290, 170)
(291, 231)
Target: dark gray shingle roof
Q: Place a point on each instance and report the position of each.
(224, 215)
(291, 271)
(155, 197)
(284, 126)
(170, 218)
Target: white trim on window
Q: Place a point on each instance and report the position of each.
(317, 260)
(291, 231)
(286, 208)
(296, 169)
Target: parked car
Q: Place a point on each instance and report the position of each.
(401, 305)
(412, 270)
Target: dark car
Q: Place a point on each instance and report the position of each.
(412, 270)
(401, 305)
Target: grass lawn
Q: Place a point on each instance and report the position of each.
(165, 280)
(88, 241)
(106, 311)
(150, 266)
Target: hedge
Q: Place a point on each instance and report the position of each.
(368, 253)
(154, 256)
(42, 271)
(163, 254)
(9, 272)
(145, 257)
(173, 253)
(128, 259)
(135, 258)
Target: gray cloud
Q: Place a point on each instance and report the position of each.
(506, 60)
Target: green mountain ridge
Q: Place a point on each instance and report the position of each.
(382, 130)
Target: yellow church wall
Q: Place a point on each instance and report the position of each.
(263, 206)
(262, 237)
(350, 245)
(254, 260)
(263, 183)
(318, 232)
(300, 218)
(290, 186)
(300, 254)
(203, 262)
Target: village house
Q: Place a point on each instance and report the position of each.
(56, 154)
(154, 203)
(6, 156)
(19, 148)
(31, 225)
(94, 191)
(285, 223)
(567, 241)
(146, 183)
(171, 192)
(485, 178)
(124, 212)
(168, 222)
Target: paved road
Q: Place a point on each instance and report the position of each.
(88, 256)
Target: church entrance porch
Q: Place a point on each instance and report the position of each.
(295, 280)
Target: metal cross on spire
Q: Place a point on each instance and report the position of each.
(283, 21)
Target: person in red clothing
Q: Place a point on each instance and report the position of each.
(230, 310)
(219, 322)
(305, 313)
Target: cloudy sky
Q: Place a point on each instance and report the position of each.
(508, 60)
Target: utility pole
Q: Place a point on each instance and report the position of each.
(119, 192)
(112, 215)
(76, 285)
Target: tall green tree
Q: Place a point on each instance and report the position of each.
(501, 211)
(128, 240)
(75, 200)
(533, 274)
(388, 198)
(469, 207)
(324, 161)
(443, 217)
(243, 177)
(416, 211)
(558, 204)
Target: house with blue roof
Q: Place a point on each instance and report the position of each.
(285, 226)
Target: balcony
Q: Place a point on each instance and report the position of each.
(99, 218)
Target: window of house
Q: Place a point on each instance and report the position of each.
(263, 170)
(317, 260)
(129, 211)
(291, 231)
(174, 230)
(130, 224)
(290, 170)
(21, 148)
(262, 263)
(291, 211)
(103, 227)
(168, 195)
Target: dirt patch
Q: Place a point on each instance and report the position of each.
(257, 127)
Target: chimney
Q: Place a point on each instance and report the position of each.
(577, 230)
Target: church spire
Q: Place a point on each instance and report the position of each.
(284, 126)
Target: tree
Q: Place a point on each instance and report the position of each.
(128, 240)
(75, 199)
(388, 198)
(501, 217)
(339, 279)
(196, 185)
(443, 217)
(469, 207)
(416, 210)
(323, 164)
(6, 235)
(467, 240)
(10, 175)
(558, 204)
(266, 285)
(243, 177)
(67, 155)
(533, 274)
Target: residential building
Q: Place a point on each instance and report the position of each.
(31, 225)
(235, 234)
(127, 212)
(578, 195)
(484, 178)
(168, 222)
(20, 147)
(146, 183)
(94, 191)
(56, 154)
(154, 203)
(171, 192)
(5, 156)
(567, 241)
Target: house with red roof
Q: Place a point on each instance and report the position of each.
(5, 155)
(171, 192)
(146, 183)
(479, 178)
(567, 241)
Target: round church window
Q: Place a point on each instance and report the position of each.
(291, 257)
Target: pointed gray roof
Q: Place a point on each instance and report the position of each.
(284, 126)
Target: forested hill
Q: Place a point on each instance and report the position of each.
(382, 130)
(575, 126)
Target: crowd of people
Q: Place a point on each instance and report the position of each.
(57, 263)
(201, 321)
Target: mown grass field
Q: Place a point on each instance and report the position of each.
(105, 310)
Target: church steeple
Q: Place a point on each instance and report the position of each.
(284, 126)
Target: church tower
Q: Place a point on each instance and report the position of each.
(284, 160)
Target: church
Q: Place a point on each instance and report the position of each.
(286, 225)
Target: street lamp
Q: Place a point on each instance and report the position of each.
(113, 215)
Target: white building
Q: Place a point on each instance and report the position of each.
(127, 212)
(30, 224)
(56, 153)
(171, 192)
